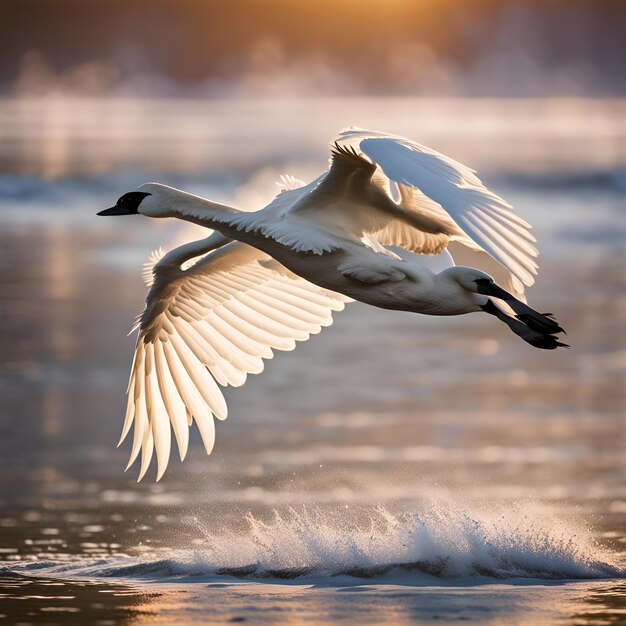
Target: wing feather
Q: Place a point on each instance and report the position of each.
(139, 421)
(199, 375)
(195, 405)
(160, 426)
(174, 405)
(147, 447)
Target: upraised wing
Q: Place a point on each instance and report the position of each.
(210, 325)
(453, 192)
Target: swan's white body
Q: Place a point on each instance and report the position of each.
(376, 227)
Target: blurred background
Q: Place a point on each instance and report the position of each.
(251, 47)
(220, 97)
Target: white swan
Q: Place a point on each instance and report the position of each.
(264, 280)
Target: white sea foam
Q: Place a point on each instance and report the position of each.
(442, 542)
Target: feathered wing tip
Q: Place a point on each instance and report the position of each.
(166, 383)
(147, 270)
(135, 326)
(349, 152)
(288, 182)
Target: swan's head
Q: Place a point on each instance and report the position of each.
(470, 278)
(128, 204)
(152, 200)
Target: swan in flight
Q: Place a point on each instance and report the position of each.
(382, 226)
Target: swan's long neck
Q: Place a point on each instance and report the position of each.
(200, 211)
(170, 202)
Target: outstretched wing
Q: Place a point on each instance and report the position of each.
(453, 192)
(209, 325)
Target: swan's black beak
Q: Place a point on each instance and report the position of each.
(128, 204)
(117, 210)
(487, 287)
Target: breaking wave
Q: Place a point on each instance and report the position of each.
(440, 543)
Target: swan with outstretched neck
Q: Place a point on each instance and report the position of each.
(388, 224)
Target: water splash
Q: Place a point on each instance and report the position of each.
(441, 541)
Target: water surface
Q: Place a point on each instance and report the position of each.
(394, 469)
